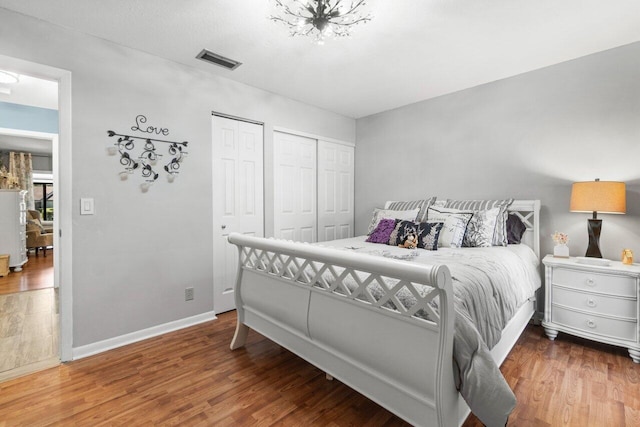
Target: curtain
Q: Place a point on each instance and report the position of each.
(20, 166)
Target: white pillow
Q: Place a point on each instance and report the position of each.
(454, 225)
(379, 214)
(482, 228)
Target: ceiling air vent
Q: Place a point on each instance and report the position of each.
(214, 58)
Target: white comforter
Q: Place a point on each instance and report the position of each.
(490, 285)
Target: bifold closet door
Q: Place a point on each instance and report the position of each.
(295, 213)
(335, 190)
(238, 204)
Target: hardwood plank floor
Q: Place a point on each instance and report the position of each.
(191, 378)
(37, 273)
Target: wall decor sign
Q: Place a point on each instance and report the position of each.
(147, 156)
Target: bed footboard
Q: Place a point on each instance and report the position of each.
(317, 302)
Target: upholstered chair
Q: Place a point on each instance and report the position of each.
(35, 216)
(37, 235)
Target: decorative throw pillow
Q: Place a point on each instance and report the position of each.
(481, 228)
(454, 225)
(423, 205)
(379, 214)
(427, 233)
(382, 232)
(515, 229)
(500, 236)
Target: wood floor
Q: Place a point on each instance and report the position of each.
(37, 273)
(190, 377)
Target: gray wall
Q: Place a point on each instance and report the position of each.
(134, 257)
(527, 137)
(41, 162)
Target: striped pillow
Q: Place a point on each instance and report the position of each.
(500, 235)
(423, 205)
(379, 214)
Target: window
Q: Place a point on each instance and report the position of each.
(43, 199)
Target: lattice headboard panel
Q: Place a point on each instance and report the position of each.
(529, 212)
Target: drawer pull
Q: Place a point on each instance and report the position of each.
(591, 302)
(591, 282)
(591, 324)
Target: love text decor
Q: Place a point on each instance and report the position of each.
(148, 156)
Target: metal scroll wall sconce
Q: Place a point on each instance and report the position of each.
(146, 162)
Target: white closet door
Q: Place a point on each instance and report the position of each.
(295, 216)
(238, 204)
(335, 190)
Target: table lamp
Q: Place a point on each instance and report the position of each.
(597, 196)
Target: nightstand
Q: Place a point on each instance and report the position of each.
(600, 303)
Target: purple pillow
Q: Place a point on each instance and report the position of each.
(383, 231)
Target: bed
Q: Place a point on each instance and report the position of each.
(316, 300)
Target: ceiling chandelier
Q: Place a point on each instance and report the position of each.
(320, 19)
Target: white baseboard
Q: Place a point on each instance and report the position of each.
(122, 340)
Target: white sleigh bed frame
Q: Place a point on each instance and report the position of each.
(401, 362)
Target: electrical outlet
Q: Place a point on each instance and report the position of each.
(188, 294)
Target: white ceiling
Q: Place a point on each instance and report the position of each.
(412, 50)
(31, 91)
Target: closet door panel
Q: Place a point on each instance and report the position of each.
(336, 190)
(295, 195)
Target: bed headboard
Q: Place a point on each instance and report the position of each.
(529, 212)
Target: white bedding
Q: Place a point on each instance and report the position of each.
(490, 284)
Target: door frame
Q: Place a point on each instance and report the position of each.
(215, 196)
(62, 168)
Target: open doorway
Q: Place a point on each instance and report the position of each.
(29, 301)
(60, 177)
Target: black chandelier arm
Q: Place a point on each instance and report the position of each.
(334, 9)
(130, 137)
(349, 24)
(287, 10)
(354, 6)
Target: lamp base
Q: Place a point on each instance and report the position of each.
(594, 226)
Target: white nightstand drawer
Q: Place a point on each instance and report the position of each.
(606, 283)
(595, 303)
(593, 324)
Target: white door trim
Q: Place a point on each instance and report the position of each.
(312, 136)
(64, 209)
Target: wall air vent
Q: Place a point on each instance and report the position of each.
(214, 58)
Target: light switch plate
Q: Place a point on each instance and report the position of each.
(86, 206)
